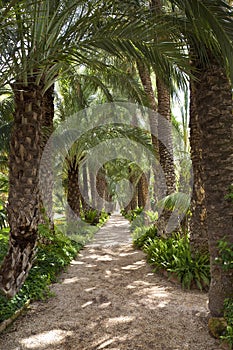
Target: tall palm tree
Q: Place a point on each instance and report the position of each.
(211, 120)
(214, 109)
(37, 39)
(164, 137)
(32, 61)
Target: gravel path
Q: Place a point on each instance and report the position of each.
(109, 298)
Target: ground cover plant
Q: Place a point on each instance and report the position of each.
(51, 258)
(226, 258)
(172, 255)
(55, 251)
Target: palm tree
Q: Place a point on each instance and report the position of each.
(213, 103)
(31, 62)
(211, 127)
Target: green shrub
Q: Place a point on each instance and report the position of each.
(142, 234)
(131, 214)
(226, 259)
(50, 260)
(139, 218)
(3, 216)
(90, 216)
(174, 255)
(94, 217)
(228, 315)
(4, 236)
(103, 217)
(226, 254)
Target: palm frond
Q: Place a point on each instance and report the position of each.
(208, 24)
(176, 201)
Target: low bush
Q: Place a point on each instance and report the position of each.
(174, 255)
(94, 217)
(131, 214)
(228, 315)
(142, 234)
(226, 259)
(103, 217)
(50, 259)
(3, 216)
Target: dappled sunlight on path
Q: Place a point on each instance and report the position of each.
(115, 232)
(109, 298)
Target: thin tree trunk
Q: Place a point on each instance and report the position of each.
(214, 108)
(47, 170)
(101, 188)
(165, 136)
(165, 152)
(73, 193)
(134, 201)
(84, 197)
(93, 189)
(143, 191)
(165, 140)
(198, 225)
(147, 85)
(23, 201)
(153, 119)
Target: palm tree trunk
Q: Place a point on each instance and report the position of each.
(165, 136)
(198, 225)
(73, 193)
(93, 189)
(84, 197)
(23, 200)
(165, 151)
(100, 188)
(214, 108)
(133, 180)
(143, 191)
(46, 170)
(147, 85)
(153, 119)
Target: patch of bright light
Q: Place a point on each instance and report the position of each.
(70, 280)
(42, 340)
(121, 319)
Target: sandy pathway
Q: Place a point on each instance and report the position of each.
(110, 299)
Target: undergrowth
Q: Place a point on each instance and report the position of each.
(226, 260)
(174, 255)
(50, 259)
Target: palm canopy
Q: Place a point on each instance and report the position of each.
(207, 26)
(39, 38)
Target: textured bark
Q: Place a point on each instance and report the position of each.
(84, 197)
(73, 193)
(23, 200)
(142, 191)
(153, 117)
(198, 225)
(93, 189)
(214, 107)
(47, 170)
(165, 137)
(134, 201)
(147, 85)
(100, 188)
(165, 151)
